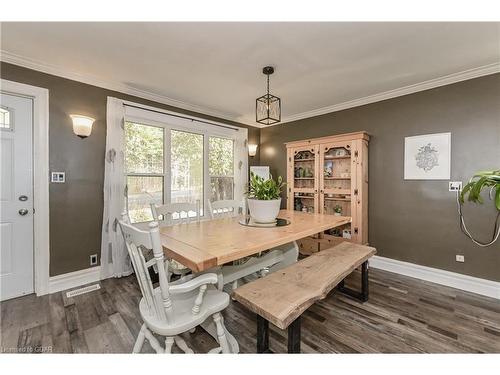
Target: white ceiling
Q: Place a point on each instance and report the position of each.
(215, 68)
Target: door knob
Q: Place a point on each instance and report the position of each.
(23, 198)
(23, 211)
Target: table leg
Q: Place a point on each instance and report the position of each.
(262, 335)
(294, 336)
(363, 295)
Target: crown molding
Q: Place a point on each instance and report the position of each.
(115, 86)
(126, 89)
(422, 86)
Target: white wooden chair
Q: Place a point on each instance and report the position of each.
(172, 308)
(176, 213)
(225, 208)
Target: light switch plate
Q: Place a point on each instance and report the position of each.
(460, 258)
(455, 186)
(93, 260)
(58, 177)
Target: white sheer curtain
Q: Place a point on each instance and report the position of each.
(115, 261)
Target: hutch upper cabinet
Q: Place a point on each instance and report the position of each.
(330, 175)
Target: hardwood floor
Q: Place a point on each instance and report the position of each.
(403, 315)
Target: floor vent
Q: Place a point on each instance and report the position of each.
(85, 289)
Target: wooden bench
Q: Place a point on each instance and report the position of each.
(282, 296)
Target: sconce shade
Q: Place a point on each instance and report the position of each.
(252, 150)
(82, 125)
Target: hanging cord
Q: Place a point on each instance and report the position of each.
(463, 227)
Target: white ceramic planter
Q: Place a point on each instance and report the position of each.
(264, 211)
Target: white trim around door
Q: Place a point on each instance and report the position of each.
(41, 245)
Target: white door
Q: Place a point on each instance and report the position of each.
(16, 196)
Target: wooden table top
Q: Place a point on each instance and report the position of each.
(211, 243)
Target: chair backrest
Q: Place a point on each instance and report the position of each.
(176, 213)
(159, 303)
(226, 208)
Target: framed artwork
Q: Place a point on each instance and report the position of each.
(428, 157)
(261, 171)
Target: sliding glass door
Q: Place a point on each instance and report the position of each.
(169, 162)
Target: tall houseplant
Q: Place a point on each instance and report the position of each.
(480, 181)
(264, 198)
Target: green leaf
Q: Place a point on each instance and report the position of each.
(497, 198)
(480, 181)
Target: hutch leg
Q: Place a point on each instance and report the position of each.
(294, 336)
(262, 335)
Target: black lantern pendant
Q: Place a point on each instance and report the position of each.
(268, 107)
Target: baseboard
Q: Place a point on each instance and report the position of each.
(74, 279)
(455, 280)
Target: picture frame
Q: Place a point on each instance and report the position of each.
(427, 157)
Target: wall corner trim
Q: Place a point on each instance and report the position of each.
(455, 280)
(74, 279)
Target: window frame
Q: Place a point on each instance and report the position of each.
(148, 117)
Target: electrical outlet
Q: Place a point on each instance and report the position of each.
(93, 260)
(455, 186)
(460, 258)
(58, 177)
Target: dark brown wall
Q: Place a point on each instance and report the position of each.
(417, 221)
(76, 206)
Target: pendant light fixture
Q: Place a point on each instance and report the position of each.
(268, 107)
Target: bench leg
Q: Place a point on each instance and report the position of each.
(294, 336)
(262, 335)
(363, 296)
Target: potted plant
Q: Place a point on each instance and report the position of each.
(337, 210)
(481, 180)
(264, 198)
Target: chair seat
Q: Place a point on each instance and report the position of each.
(184, 320)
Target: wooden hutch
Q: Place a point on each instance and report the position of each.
(330, 175)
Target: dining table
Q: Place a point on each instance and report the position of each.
(214, 246)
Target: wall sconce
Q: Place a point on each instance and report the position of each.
(82, 125)
(252, 150)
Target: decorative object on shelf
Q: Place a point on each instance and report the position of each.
(346, 233)
(308, 172)
(340, 152)
(335, 232)
(427, 157)
(329, 168)
(298, 205)
(82, 125)
(481, 180)
(304, 209)
(268, 107)
(264, 198)
(310, 209)
(337, 210)
(252, 150)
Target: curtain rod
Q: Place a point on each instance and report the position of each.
(180, 116)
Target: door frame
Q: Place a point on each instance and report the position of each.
(41, 243)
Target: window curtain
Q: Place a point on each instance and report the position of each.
(115, 261)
